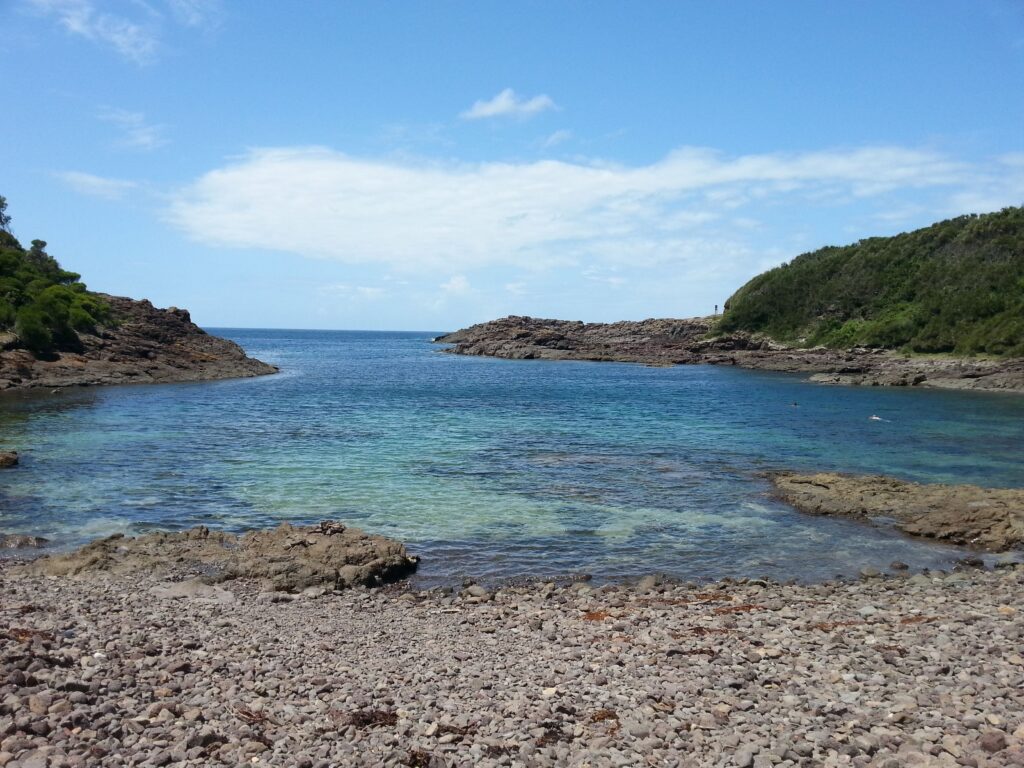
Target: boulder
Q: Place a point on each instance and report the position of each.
(8, 459)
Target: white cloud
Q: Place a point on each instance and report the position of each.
(135, 30)
(1003, 186)
(599, 276)
(508, 104)
(343, 290)
(80, 17)
(136, 132)
(97, 186)
(516, 289)
(458, 285)
(556, 138)
(461, 216)
(196, 13)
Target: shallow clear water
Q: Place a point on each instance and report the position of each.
(494, 468)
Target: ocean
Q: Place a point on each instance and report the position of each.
(494, 469)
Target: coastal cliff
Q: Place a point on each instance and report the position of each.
(680, 342)
(141, 344)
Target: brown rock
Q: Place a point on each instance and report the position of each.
(144, 345)
(674, 341)
(992, 518)
(8, 459)
(993, 741)
(288, 558)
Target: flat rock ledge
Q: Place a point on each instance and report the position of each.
(989, 518)
(286, 559)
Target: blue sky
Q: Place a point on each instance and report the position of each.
(425, 166)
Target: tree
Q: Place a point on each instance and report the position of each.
(44, 305)
(5, 219)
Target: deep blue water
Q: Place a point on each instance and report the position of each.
(494, 468)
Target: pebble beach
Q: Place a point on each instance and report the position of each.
(888, 671)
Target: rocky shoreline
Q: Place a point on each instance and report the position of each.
(987, 518)
(683, 342)
(113, 669)
(145, 345)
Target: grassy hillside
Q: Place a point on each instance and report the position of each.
(44, 305)
(954, 287)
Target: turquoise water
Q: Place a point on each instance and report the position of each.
(497, 469)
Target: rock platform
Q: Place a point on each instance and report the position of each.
(686, 341)
(987, 518)
(329, 555)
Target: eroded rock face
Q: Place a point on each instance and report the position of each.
(147, 345)
(672, 342)
(286, 558)
(8, 459)
(990, 518)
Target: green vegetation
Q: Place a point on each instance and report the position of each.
(43, 304)
(954, 287)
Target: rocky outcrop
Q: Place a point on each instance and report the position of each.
(656, 342)
(21, 541)
(143, 345)
(286, 558)
(989, 518)
(8, 459)
(675, 342)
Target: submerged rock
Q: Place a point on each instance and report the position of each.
(21, 541)
(8, 459)
(991, 518)
(287, 558)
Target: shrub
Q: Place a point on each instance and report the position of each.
(32, 330)
(43, 303)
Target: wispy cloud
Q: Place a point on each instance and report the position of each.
(136, 132)
(346, 291)
(1003, 185)
(601, 276)
(132, 40)
(197, 13)
(97, 186)
(458, 285)
(516, 289)
(508, 104)
(556, 138)
(460, 216)
(134, 30)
